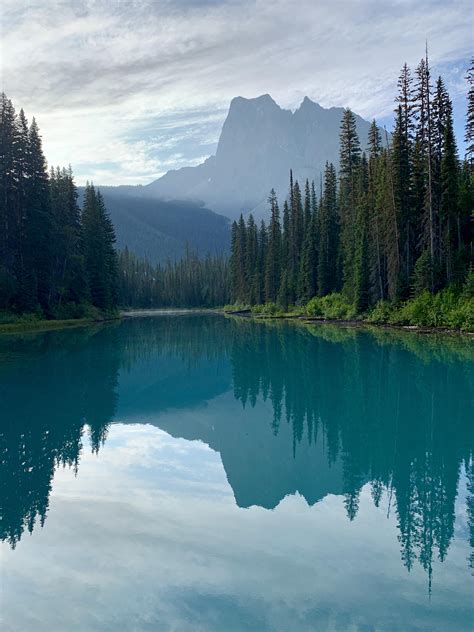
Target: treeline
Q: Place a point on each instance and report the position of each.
(55, 260)
(395, 221)
(190, 282)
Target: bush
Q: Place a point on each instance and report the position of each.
(332, 306)
(447, 308)
(380, 313)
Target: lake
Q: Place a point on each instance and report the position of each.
(197, 472)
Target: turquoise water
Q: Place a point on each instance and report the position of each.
(192, 473)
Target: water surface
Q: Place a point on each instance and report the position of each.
(203, 473)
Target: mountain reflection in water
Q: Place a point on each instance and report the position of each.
(345, 408)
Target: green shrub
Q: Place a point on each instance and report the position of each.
(468, 289)
(380, 313)
(332, 306)
(447, 308)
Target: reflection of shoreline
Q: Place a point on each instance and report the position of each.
(348, 323)
(138, 313)
(316, 410)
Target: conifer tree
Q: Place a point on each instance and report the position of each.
(41, 238)
(37, 229)
(403, 203)
(99, 252)
(469, 137)
(349, 159)
(449, 211)
(273, 255)
(307, 284)
(375, 216)
(328, 234)
(285, 239)
(361, 260)
(295, 238)
(241, 289)
(11, 202)
(233, 264)
(262, 260)
(251, 261)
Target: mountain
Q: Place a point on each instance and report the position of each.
(259, 143)
(160, 229)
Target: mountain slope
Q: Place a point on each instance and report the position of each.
(159, 230)
(259, 143)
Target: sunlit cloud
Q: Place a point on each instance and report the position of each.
(127, 90)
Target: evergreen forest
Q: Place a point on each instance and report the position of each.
(57, 261)
(387, 237)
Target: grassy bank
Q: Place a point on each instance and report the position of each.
(13, 323)
(445, 310)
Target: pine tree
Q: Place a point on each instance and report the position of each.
(375, 217)
(328, 234)
(68, 280)
(38, 228)
(361, 260)
(405, 99)
(9, 202)
(469, 137)
(307, 284)
(251, 261)
(274, 255)
(307, 208)
(449, 211)
(285, 239)
(234, 263)
(99, 252)
(295, 238)
(403, 203)
(262, 259)
(424, 162)
(386, 201)
(349, 159)
(241, 289)
(284, 291)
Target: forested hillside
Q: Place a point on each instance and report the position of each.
(160, 230)
(389, 236)
(394, 224)
(55, 261)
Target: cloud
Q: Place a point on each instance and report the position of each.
(147, 536)
(119, 83)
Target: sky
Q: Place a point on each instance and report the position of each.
(124, 90)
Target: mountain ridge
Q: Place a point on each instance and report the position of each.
(259, 143)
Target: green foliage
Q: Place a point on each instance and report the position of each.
(53, 261)
(468, 289)
(332, 306)
(380, 313)
(448, 308)
(268, 309)
(390, 226)
(190, 282)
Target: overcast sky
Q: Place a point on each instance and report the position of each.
(126, 89)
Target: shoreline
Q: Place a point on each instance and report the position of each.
(168, 311)
(32, 326)
(350, 324)
(51, 325)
